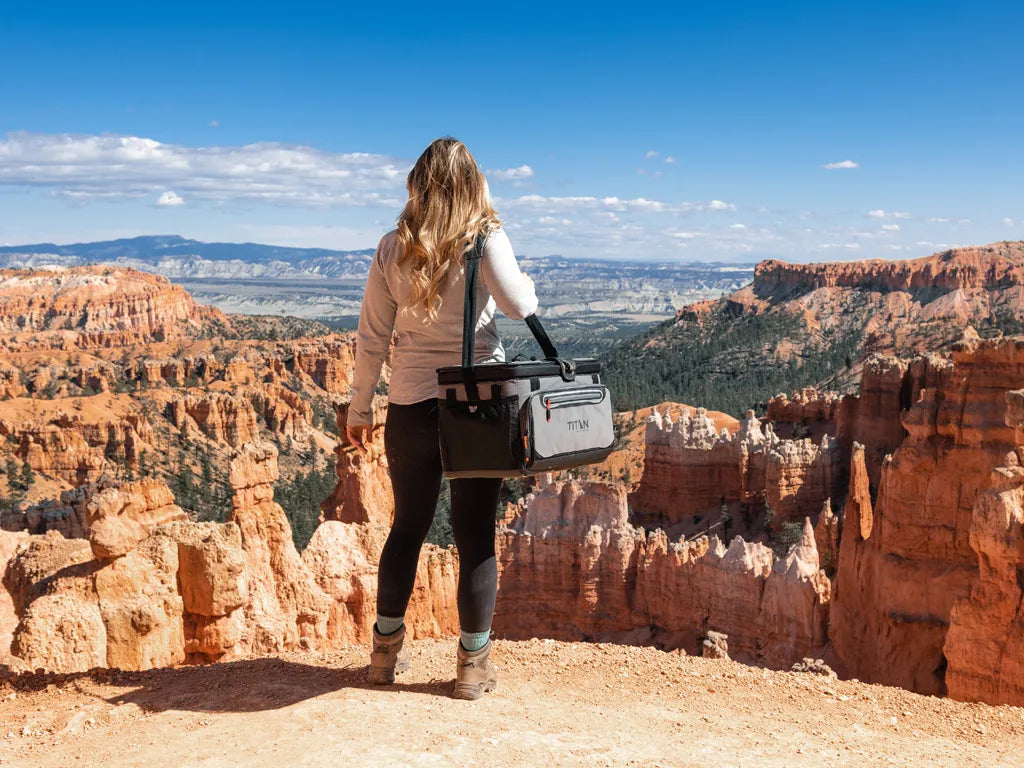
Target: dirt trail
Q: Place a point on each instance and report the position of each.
(557, 704)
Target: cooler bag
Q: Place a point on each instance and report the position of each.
(515, 418)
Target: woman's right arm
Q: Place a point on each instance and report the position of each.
(511, 288)
(376, 324)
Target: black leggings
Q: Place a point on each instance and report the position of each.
(414, 463)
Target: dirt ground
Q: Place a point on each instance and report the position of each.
(557, 704)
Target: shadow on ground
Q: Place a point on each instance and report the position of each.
(248, 685)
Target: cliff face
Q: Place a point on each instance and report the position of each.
(985, 642)
(987, 268)
(907, 558)
(87, 307)
(571, 567)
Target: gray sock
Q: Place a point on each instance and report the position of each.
(388, 625)
(474, 641)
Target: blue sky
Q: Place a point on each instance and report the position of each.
(804, 131)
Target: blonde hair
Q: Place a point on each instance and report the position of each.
(449, 205)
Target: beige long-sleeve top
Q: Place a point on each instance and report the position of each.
(424, 346)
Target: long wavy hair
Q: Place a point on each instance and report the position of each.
(449, 205)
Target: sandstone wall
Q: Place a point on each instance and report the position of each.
(907, 558)
(983, 268)
(985, 643)
(94, 306)
(689, 469)
(807, 413)
(72, 446)
(572, 567)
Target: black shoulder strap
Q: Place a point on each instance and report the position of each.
(469, 321)
(469, 307)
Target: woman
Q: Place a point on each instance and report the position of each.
(416, 287)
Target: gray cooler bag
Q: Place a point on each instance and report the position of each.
(517, 418)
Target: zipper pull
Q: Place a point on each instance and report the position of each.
(547, 408)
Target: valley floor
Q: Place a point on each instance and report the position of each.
(557, 704)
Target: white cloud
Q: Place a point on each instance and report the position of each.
(550, 205)
(513, 174)
(682, 235)
(650, 153)
(170, 198)
(1009, 222)
(670, 160)
(107, 166)
(939, 220)
(841, 165)
(849, 246)
(891, 227)
(880, 214)
(737, 226)
(214, 123)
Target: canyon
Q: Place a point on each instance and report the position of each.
(882, 531)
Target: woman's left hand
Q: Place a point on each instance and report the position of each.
(359, 436)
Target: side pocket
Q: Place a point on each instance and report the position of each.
(480, 435)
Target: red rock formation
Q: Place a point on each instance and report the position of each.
(343, 558)
(214, 582)
(800, 476)
(285, 606)
(809, 413)
(11, 384)
(120, 518)
(826, 537)
(985, 268)
(9, 543)
(985, 642)
(74, 446)
(327, 362)
(284, 412)
(320, 364)
(691, 470)
(94, 306)
(573, 567)
(97, 377)
(907, 559)
(219, 416)
(363, 492)
(173, 594)
(873, 418)
(114, 516)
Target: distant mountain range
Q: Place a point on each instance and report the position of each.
(315, 283)
(179, 257)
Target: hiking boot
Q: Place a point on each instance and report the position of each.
(475, 673)
(388, 657)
